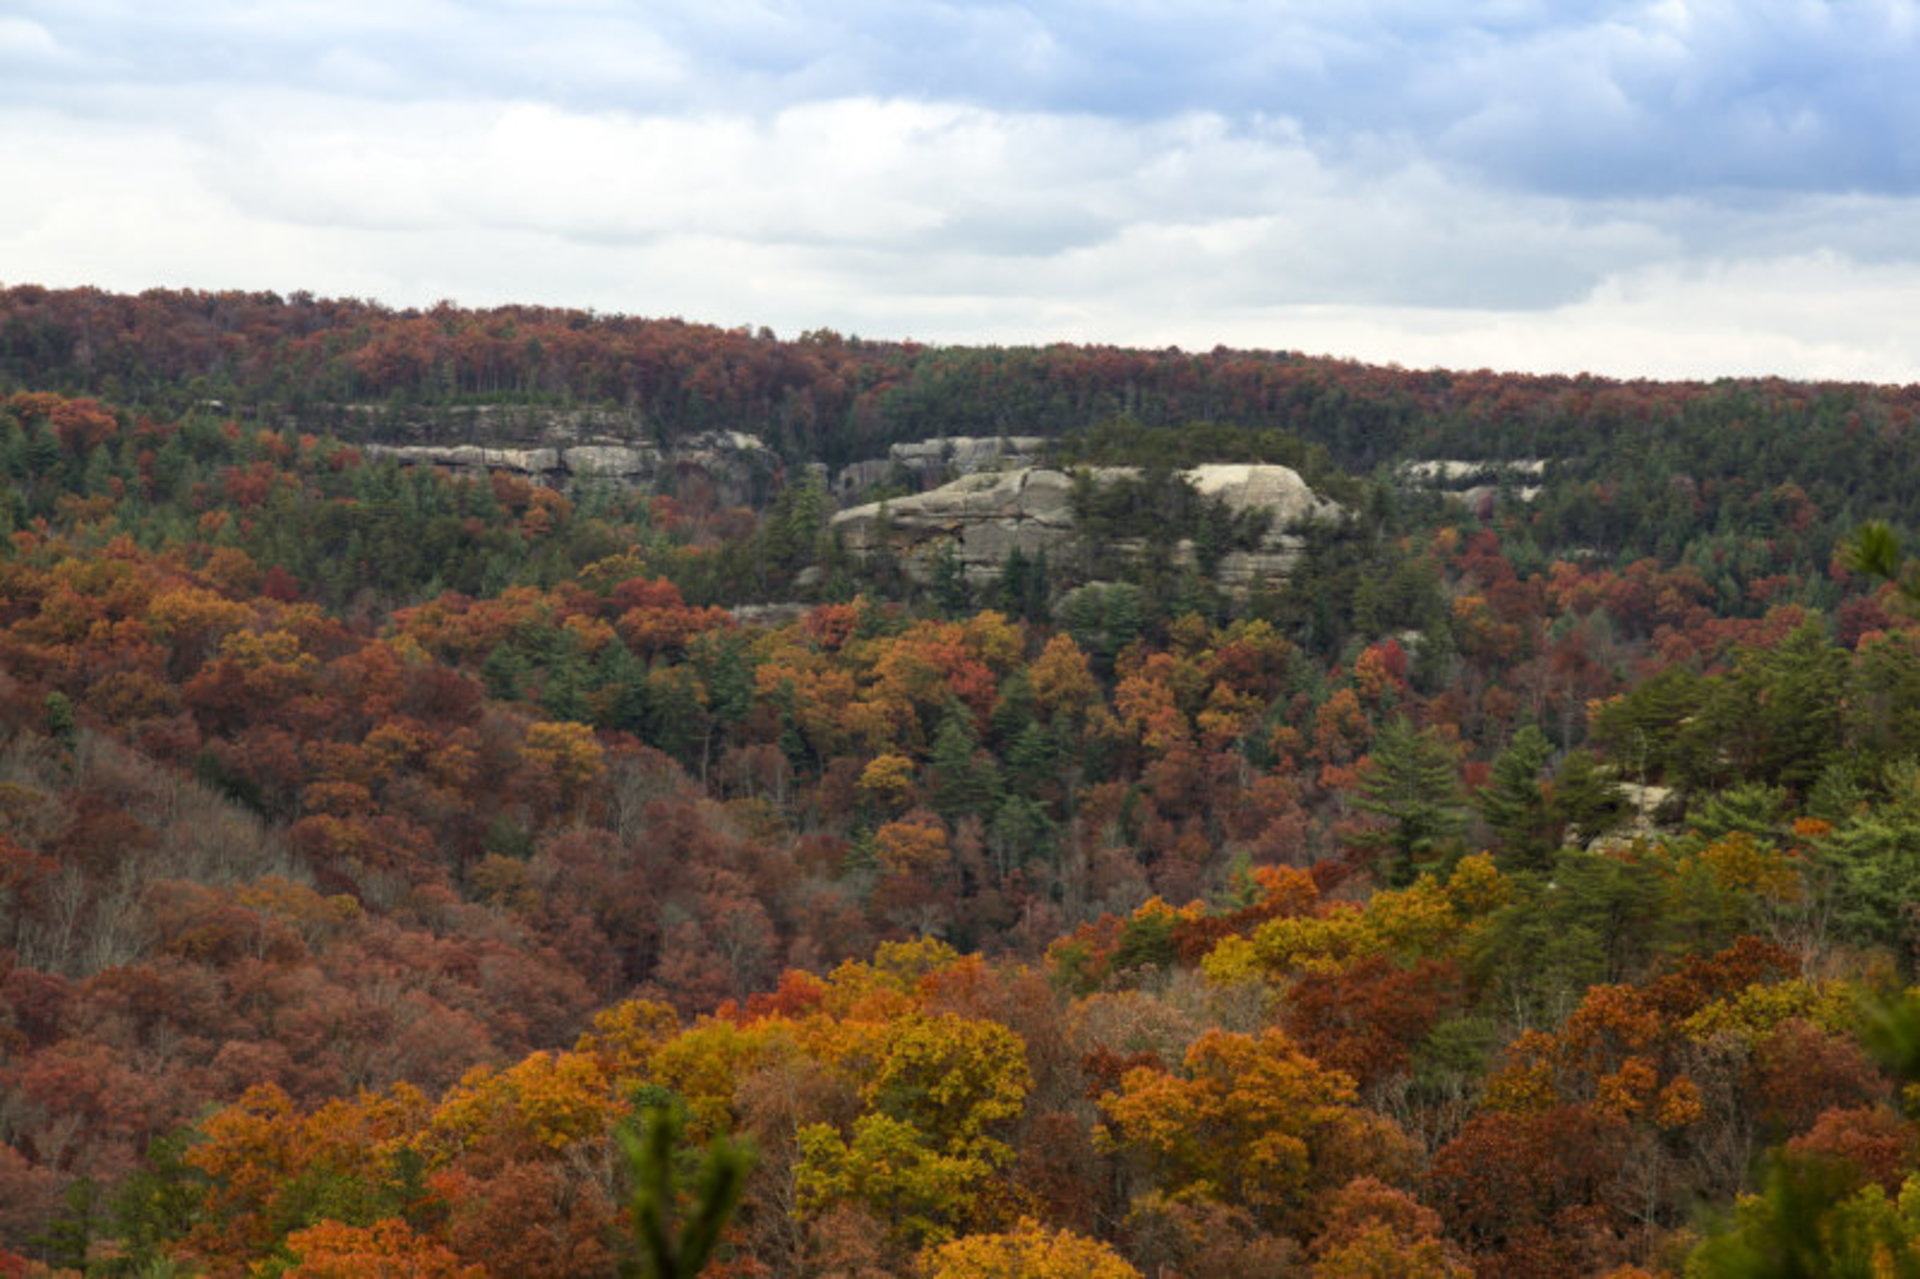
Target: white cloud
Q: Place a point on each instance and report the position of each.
(24, 41)
(1693, 186)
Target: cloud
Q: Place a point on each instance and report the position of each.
(1651, 97)
(1507, 172)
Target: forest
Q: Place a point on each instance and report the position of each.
(414, 872)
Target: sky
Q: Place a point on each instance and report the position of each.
(1676, 189)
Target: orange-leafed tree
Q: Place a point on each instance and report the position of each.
(1251, 1120)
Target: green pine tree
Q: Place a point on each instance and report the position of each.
(1412, 783)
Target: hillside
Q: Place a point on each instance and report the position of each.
(427, 741)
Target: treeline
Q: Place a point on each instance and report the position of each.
(1744, 479)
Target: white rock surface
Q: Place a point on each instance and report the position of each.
(985, 516)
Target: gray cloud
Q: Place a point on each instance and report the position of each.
(1509, 172)
(1593, 99)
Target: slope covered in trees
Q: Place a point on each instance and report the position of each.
(1509, 893)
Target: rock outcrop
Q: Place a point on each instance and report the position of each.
(986, 516)
(1473, 483)
(738, 466)
(933, 461)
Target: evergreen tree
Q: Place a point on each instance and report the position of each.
(1514, 804)
(965, 780)
(1586, 802)
(951, 595)
(620, 689)
(669, 1249)
(1411, 782)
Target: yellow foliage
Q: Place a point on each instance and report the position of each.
(1741, 863)
(1414, 922)
(706, 1063)
(1062, 680)
(951, 1077)
(549, 1101)
(1314, 943)
(1754, 1012)
(190, 612)
(888, 778)
(624, 1038)
(1476, 887)
(275, 651)
(1029, 1251)
(919, 1193)
(566, 750)
(997, 642)
(1234, 959)
(1250, 1121)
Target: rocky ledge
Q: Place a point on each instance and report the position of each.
(925, 462)
(738, 466)
(985, 517)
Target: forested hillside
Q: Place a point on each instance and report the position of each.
(1525, 886)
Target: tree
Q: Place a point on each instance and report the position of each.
(1876, 551)
(965, 780)
(682, 1252)
(386, 1249)
(1029, 1251)
(1515, 804)
(1410, 782)
(951, 594)
(1250, 1121)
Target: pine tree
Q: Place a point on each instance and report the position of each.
(1410, 781)
(1514, 804)
(964, 779)
(670, 1249)
(951, 595)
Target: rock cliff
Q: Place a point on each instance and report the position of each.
(933, 461)
(738, 466)
(984, 517)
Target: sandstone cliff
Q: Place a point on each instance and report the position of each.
(738, 466)
(984, 517)
(930, 461)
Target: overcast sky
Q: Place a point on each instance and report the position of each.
(1669, 189)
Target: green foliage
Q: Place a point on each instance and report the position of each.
(1514, 803)
(1811, 1220)
(59, 720)
(158, 1203)
(675, 1241)
(1588, 920)
(965, 779)
(1587, 803)
(1874, 858)
(1876, 551)
(1411, 783)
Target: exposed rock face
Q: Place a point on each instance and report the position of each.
(1245, 486)
(984, 517)
(931, 460)
(738, 466)
(1473, 483)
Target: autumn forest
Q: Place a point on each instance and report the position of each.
(1525, 883)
